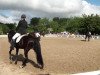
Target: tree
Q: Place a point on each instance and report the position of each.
(1, 32)
(54, 26)
(11, 26)
(5, 29)
(56, 19)
(43, 23)
(30, 29)
(90, 23)
(34, 21)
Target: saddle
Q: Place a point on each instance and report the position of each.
(19, 38)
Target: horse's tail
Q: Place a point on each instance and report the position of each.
(9, 38)
(10, 35)
(37, 49)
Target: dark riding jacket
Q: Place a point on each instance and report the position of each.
(22, 27)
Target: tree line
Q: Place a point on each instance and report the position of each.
(78, 25)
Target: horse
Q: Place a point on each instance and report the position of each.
(27, 42)
(88, 36)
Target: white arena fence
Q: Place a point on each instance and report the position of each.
(66, 36)
(3, 35)
(71, 36)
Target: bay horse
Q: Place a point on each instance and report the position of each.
(27, 42)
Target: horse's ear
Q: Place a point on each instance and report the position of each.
(34, 35)
(37, 35)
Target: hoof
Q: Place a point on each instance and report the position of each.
(11, 62)
(15, 63)
(40, 66)
(21, 66)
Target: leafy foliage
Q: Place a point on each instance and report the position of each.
(73, 25)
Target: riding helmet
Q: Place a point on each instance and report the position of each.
(23, 16)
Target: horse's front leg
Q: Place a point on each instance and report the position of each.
(17, 50)
(89, 38)
(85, 37)
(37, 49)
(10, 57)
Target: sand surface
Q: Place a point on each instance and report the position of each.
(61, 56)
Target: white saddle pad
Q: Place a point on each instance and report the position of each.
(19, 38)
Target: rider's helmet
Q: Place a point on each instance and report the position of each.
(23, 16)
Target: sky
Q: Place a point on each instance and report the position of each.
(94, 2)
(11, 10)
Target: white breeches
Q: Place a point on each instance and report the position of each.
(16, 35)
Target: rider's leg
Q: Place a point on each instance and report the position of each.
(16, 35)
(13, 41)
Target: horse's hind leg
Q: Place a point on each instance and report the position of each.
(26, 57)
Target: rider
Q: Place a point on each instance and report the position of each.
(20, 29)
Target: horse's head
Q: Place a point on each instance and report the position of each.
(35, 35)
(11, 33)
